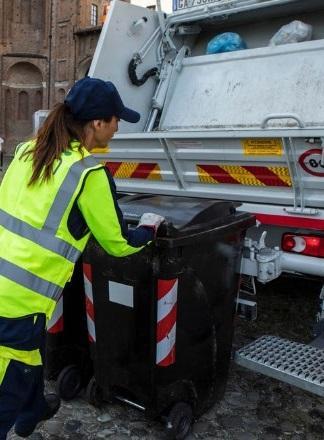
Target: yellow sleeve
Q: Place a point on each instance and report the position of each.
(98, 205)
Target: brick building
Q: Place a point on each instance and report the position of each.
(45, 45)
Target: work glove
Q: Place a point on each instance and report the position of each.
(151, 220)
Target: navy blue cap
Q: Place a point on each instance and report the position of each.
(93, 98)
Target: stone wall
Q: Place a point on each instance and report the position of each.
(45, 45)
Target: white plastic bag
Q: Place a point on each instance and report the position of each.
(293, 32)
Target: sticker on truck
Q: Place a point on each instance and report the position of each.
(244, 175)
(134, 170)
(262, 147)
(311, 162)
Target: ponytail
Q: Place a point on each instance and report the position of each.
(54, 137)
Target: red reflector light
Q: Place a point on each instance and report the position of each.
(303, 244)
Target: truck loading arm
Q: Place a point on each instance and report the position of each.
(139, 56)
(166, 80)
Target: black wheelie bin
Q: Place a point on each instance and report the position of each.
(164, 316)
(67, 352)
(70, 335)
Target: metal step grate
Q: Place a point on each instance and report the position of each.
(297, 364)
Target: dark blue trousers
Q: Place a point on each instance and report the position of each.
(22, 401)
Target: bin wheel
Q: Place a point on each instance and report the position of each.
(94, 394)
(68, 383)
(179, 420)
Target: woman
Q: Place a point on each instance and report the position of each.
(53, 195)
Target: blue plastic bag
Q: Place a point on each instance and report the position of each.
(226, 42)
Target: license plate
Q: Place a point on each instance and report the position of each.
(187, 4)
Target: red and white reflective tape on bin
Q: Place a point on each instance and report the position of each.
(167, 293)
(56, 323)
(87, 276)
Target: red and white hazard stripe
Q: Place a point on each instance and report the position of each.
(56, 323)
(87, 276)
(276, 215)
(167, 292)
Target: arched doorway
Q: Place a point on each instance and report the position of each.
(24, 95)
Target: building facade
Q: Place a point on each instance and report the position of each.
(45, 45)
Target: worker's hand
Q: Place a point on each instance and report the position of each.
(151, 220)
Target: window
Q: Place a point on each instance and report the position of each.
(8, 105)
(94, 15)
(23, 105)
(38, 103)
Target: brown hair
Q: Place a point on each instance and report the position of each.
(54, 137)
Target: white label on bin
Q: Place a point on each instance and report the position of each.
(121, 294)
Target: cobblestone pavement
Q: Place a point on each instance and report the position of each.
(254, 406)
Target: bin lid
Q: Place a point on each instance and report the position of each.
(183, 215)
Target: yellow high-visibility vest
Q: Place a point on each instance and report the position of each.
(37, 251)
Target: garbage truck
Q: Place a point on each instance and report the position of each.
(245, 126)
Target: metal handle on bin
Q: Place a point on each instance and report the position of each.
(282, 116)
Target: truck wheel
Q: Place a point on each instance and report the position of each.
(94, 393)
(68, 383)
(179, 420)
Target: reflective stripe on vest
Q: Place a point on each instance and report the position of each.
(46, 236)
(66, 191)
(43, 238)
(29, 280)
